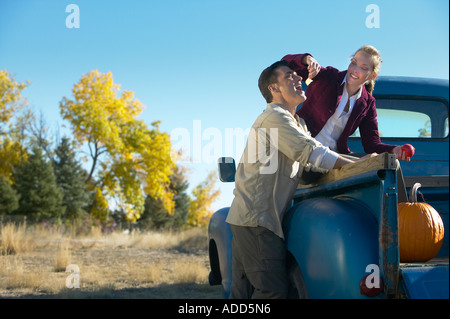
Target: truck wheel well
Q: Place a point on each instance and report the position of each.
(215, 277)
(297, 287)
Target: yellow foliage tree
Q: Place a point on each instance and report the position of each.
(128, 158)
(204, 195)
(11, 101)
(99, 209)
(12, 153)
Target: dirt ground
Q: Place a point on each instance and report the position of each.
(118, 268)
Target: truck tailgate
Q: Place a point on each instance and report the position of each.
(426, 280)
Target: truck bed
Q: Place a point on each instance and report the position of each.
(425, 280)
(438, 261)
(418, 280)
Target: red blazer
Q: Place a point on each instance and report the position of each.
(323, 97)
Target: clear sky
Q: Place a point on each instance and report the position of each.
(194, 64)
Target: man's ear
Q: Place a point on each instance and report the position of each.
(273, 88)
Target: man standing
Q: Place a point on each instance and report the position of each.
(265, 185)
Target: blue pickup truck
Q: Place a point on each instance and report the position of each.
(340, 231)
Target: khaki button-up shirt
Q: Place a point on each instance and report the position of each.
(277, 150)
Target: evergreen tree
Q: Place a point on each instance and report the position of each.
(179, 185)
(9, 199)
(35, 182)
(155, 216)
(71, 179)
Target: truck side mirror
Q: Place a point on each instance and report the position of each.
(227, 169)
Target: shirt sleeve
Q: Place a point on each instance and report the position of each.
(296, 143)
(323, 157)
(295, 63)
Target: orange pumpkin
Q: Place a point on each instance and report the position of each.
(421, 230)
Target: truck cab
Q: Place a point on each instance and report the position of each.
(343, 228)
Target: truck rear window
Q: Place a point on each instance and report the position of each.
(411, 118)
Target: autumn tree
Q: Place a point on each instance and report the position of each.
(128, 157)
(204, 195)
(99, 207)
(11, 99)
(426, 130)
(12, 151)
(157, 217)
(12, 154)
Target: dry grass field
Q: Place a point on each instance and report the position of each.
(119, 265)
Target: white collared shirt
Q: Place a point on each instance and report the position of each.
(335, 125)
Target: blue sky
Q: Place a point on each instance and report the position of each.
(197, 62)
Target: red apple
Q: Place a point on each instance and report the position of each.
(370, 292)
(408, 149)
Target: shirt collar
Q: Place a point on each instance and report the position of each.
(272, 106)
(358, 94)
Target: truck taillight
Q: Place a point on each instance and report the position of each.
(370, 288)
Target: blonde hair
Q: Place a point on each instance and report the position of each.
(376, 64)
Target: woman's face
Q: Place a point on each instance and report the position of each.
(360, 69)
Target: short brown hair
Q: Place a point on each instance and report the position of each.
(268, 77)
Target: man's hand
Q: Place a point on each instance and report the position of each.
(368, 156)
(341, 161)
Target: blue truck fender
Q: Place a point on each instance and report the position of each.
(333, 241)
(220, 237)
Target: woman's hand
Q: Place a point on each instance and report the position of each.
(403, 152)
(313, 67)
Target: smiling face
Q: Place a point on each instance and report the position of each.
(288, 89)
(360, 70)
